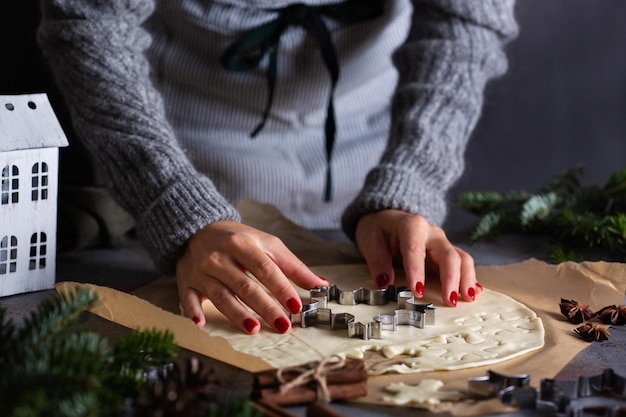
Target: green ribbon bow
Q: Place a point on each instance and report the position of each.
(247, 52)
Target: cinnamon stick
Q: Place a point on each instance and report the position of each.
(353, 371)
(308, 394)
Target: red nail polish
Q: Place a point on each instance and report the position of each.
(249, 325)
(454, 298)
(472, 293)
(479, 286)
(321, 277)
(419, 288)
(281, 324)
(196, 319)
(293, 305)
(382, 281)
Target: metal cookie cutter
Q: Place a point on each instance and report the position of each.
(603, 394)
(353, 297)
(495, 384)
(408, 313)
(312, 315)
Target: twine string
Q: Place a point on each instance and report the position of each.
(313, 373)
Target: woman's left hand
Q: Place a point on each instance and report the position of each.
(387, 234)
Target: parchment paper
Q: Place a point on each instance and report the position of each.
(536, 284)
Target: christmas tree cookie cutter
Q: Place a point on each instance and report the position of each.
(409, 311)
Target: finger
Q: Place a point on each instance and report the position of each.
(230, 306)
(375, 250)
(266, 269)
(469, 286)
(252, 294)
(291, 266)
(223, 299)
(412, 238)
(191, 304)
(448, 260)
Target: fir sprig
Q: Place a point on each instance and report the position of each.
(575, 217)
(51, 366)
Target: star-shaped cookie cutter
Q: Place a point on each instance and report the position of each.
(409, 312)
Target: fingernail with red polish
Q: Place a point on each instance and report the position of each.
(479, 286)
(321, 277)
(472, 293)
(281, 324)
(419, 288)
(454, 298)
(249, 325)
(382, 281)
(196, 319)
(293, 305)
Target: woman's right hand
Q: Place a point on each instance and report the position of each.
(213, 266)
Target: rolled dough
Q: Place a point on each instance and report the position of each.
(492, 329)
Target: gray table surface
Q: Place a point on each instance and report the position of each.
(128, 267)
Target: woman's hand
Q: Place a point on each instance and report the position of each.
(387, 234)
(213, 266)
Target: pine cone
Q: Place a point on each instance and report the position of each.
(186, 389)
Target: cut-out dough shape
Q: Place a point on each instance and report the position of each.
(426, 392)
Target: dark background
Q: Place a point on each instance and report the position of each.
(562, 102)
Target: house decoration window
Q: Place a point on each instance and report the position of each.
(10, 184)
(39, 182)
(38, 250)
(8, 255)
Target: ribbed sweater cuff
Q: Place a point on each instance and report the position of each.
(390, 188)
(178, 214)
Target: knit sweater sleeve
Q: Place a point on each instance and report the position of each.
(96, 52)
(453, 49)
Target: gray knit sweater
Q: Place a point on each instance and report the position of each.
(170, 127)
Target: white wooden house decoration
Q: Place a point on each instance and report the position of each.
(30, 137)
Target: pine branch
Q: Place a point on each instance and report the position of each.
(139, 352)
(615, 187)
(481, 202)
(52, 368)
(574, 217)
(53, 316)
(538, 208)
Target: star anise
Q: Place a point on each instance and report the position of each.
(593, 332)
(613, 314)
(576, 312)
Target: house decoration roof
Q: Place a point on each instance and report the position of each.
(27, 121)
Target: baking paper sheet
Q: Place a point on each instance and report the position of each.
(538, 285)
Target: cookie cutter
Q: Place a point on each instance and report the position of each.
(357, 296)
(494, 384)
(602, 394)
(409, 312)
